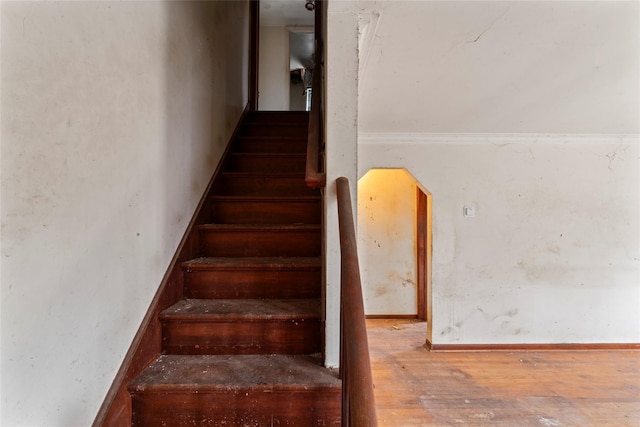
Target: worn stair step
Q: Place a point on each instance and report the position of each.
(240, 240)
(265, 210)
(264, 184)
(227, 278)
(273, 144)
(300, 129)
(251, 390)
(242, 326)
(266, 162)
(278, 117)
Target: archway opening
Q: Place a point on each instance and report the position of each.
(394, 244)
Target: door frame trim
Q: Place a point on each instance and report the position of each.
(254, 52)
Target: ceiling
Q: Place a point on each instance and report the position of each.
(282, 13)
(291, 13)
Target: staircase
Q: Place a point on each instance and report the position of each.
(244, 347)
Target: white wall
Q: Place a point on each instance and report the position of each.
(273, 72)
(552, 254)
(341, 111)
(528, 111)
(114, 116)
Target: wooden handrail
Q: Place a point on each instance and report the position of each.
(358, 406)
(314, 171)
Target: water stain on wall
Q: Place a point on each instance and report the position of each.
(386, 235)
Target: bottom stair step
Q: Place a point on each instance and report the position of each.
(245, 390)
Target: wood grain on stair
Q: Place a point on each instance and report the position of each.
(278, 117)
(232, 372)
(242, 326)
(236, 390)
(239, 240)
(275, 129)
(265, 210)
(264, 184)
(267, 162)
(261, 277)
(243, 309)
(270, 144)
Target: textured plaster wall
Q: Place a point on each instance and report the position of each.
(114, 116)
(528, 112)
(552, 253)
(341, 110)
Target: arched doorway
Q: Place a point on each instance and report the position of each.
(394, 244)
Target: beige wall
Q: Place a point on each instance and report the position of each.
(114, 116)
(273, 79)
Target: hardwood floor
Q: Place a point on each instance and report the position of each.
(415, 387)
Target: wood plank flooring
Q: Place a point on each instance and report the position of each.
(415, 387)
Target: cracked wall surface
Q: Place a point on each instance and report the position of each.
(528, 112)
(502, 67)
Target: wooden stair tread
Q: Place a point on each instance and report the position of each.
(261, 227)
(272, 138)
(248, 263)
(278, 123)
(233, 372)
(243, 309)
(288, 199)
(292, 175)
(256, 154)
(278, 113)
(287, 183)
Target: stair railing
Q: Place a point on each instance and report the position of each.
(314, 172)
(358, 405)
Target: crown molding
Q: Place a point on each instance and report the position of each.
(426, 138)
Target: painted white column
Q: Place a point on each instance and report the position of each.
(341, 71)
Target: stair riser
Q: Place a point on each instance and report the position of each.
(256, 212)
(237, 408)
(265, 186)
(242, 337)
(219, 243)
(280, 130)
(228, 284)
(297, 146)
(267, 163)
(270, 117)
